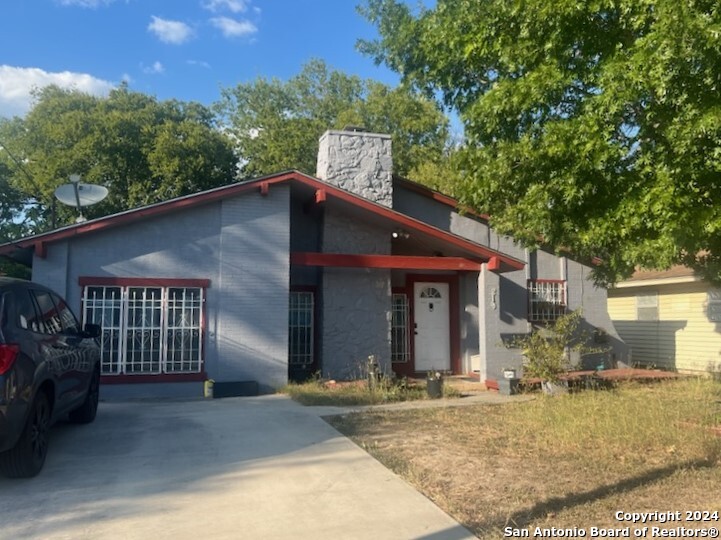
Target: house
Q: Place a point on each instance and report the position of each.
(286, 275)
(670, 319)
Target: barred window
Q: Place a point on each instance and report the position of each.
(546, 300)
(147, 330)
(300, 328)
(399, 329)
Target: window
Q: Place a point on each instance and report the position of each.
(713, 305)
(300, 328)
(147, 330)
(399, 329)
(430, 292)
(546, 300)
(49, 320)
(647, 307)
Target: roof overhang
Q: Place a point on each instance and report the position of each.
(322, 192)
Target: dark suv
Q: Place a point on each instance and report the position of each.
(49, 368)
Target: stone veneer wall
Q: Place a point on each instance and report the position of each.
(356, 302)
(358, 162)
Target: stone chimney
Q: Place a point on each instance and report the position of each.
(357, 161)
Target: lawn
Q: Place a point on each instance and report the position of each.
(564, 462)
(354, 393)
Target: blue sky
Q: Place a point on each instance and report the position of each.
(184, 49)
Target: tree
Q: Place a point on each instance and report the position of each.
(277, 124)
(144, 151)
(591, 126)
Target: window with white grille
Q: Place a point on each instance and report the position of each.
(546, 300)
(300, 327)
(147, 330)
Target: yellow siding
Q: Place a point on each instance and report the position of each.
(683, 338)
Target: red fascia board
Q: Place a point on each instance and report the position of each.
(411, 223)
(353, 260)
(234, 189)
(133, 215)
(106, 281)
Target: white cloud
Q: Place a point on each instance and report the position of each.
(200, 63)
(17, 83)
(168, 31)
(234, 6)
(156, 68)
(232, 28)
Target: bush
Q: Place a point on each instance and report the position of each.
(547, 351)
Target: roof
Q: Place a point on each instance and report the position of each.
(647, 278)
(40, 242)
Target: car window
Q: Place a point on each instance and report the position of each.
(27, 316)
(49, 315)
(67, 319)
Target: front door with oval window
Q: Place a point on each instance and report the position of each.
(432, 340)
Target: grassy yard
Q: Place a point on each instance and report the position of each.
(345, 394)
(568, 461)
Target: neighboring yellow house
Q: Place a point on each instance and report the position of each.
(669, 319)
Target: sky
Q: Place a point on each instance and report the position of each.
(182, 49)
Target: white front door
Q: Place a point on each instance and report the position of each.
(432, 338)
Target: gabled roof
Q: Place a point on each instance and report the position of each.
(40, 242)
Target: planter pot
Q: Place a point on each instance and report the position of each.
(508, 387)
(434, 388)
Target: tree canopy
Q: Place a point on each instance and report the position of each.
(590, 126)
(276, 124)
(143, 150)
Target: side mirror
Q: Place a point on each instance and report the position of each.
(93, 330)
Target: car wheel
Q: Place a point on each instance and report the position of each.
(27, 458)
(87, 411)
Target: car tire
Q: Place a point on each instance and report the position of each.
(27, 458)
(87, 411)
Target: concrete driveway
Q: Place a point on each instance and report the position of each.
(262, 468)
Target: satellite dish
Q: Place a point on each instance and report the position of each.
(78, 194)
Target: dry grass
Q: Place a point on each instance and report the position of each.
(345, 394)
(569, 461)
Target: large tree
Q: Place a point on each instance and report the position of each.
(143, 150)
(594, 126)
(277, 124)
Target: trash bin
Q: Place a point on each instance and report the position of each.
(434, 388)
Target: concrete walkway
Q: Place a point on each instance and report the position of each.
(258, 468)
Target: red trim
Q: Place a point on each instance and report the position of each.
(454, 328)
(320, 196)
(41, 249)
(264, 188)
(494, 264)
(145, 378)
(350, 260)
(218, 194)
(84, 281)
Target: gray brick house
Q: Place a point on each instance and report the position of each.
(289, 274)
